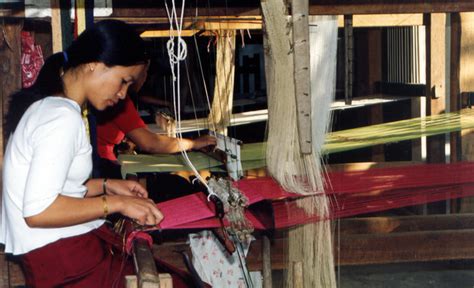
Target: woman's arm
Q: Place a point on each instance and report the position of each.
(68, 211)
(98, 186)
(154, 143)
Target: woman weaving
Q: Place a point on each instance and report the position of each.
(52, 214)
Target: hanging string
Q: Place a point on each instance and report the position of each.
(176, 55)
(203, 80)
(208, 102)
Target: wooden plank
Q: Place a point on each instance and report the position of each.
(60, 25)
(348, 59)
(267, 264)
(56, 26)
(386, 225)
(348, 7)
(436, 62)
(406, 247)
(436, 79)
(454, 85)
(80, 16)
(153, 11)
(255, 21)
(166, 281)
(372, 55)
(302, 73)
(467, 52)
(384, 20)
(167, 33)
(466, 70)
(316, 7)
(10, 66)
(145, 265)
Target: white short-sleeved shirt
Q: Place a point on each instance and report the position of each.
(48, 154)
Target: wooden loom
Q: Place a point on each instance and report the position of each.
(437, 225)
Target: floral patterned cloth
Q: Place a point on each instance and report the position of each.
(215, 265)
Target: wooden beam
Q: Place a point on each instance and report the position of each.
(406, 247)
(60, 25)
(255, 21)
(80, 16)
(347, 7)
(161, 11)
(193, 26)
(167, 33)
(384, 20)
(56, 27)
(403, 224)
(454, 84)
(436, 80)
(467, 52)
(302, 73)
(316, 7)
(266, 262)
(10, 68)
(348, 59)
(466, 84)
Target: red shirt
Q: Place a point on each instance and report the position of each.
(113, 124)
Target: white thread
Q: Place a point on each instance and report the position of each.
(174, 59)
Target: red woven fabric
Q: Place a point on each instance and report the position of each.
(351, 193)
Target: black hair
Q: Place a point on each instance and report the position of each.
(111, 42)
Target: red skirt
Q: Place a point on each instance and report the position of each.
(94, 259)
(81, 261)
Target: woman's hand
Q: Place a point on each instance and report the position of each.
(132, 201)
(204, 141)
(143, 211)
(125, 188)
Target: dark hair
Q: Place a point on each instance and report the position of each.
(111, 42)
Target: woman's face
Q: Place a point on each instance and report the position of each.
(105, 86)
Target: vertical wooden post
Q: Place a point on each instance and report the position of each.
(374, 58)
(267, 263)
(301, 58)
(61, 24)
(348, 58)
(466, 84)
(436, 89)
(56, 26)
(10, 65)
(454, 94)
(436, 79)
